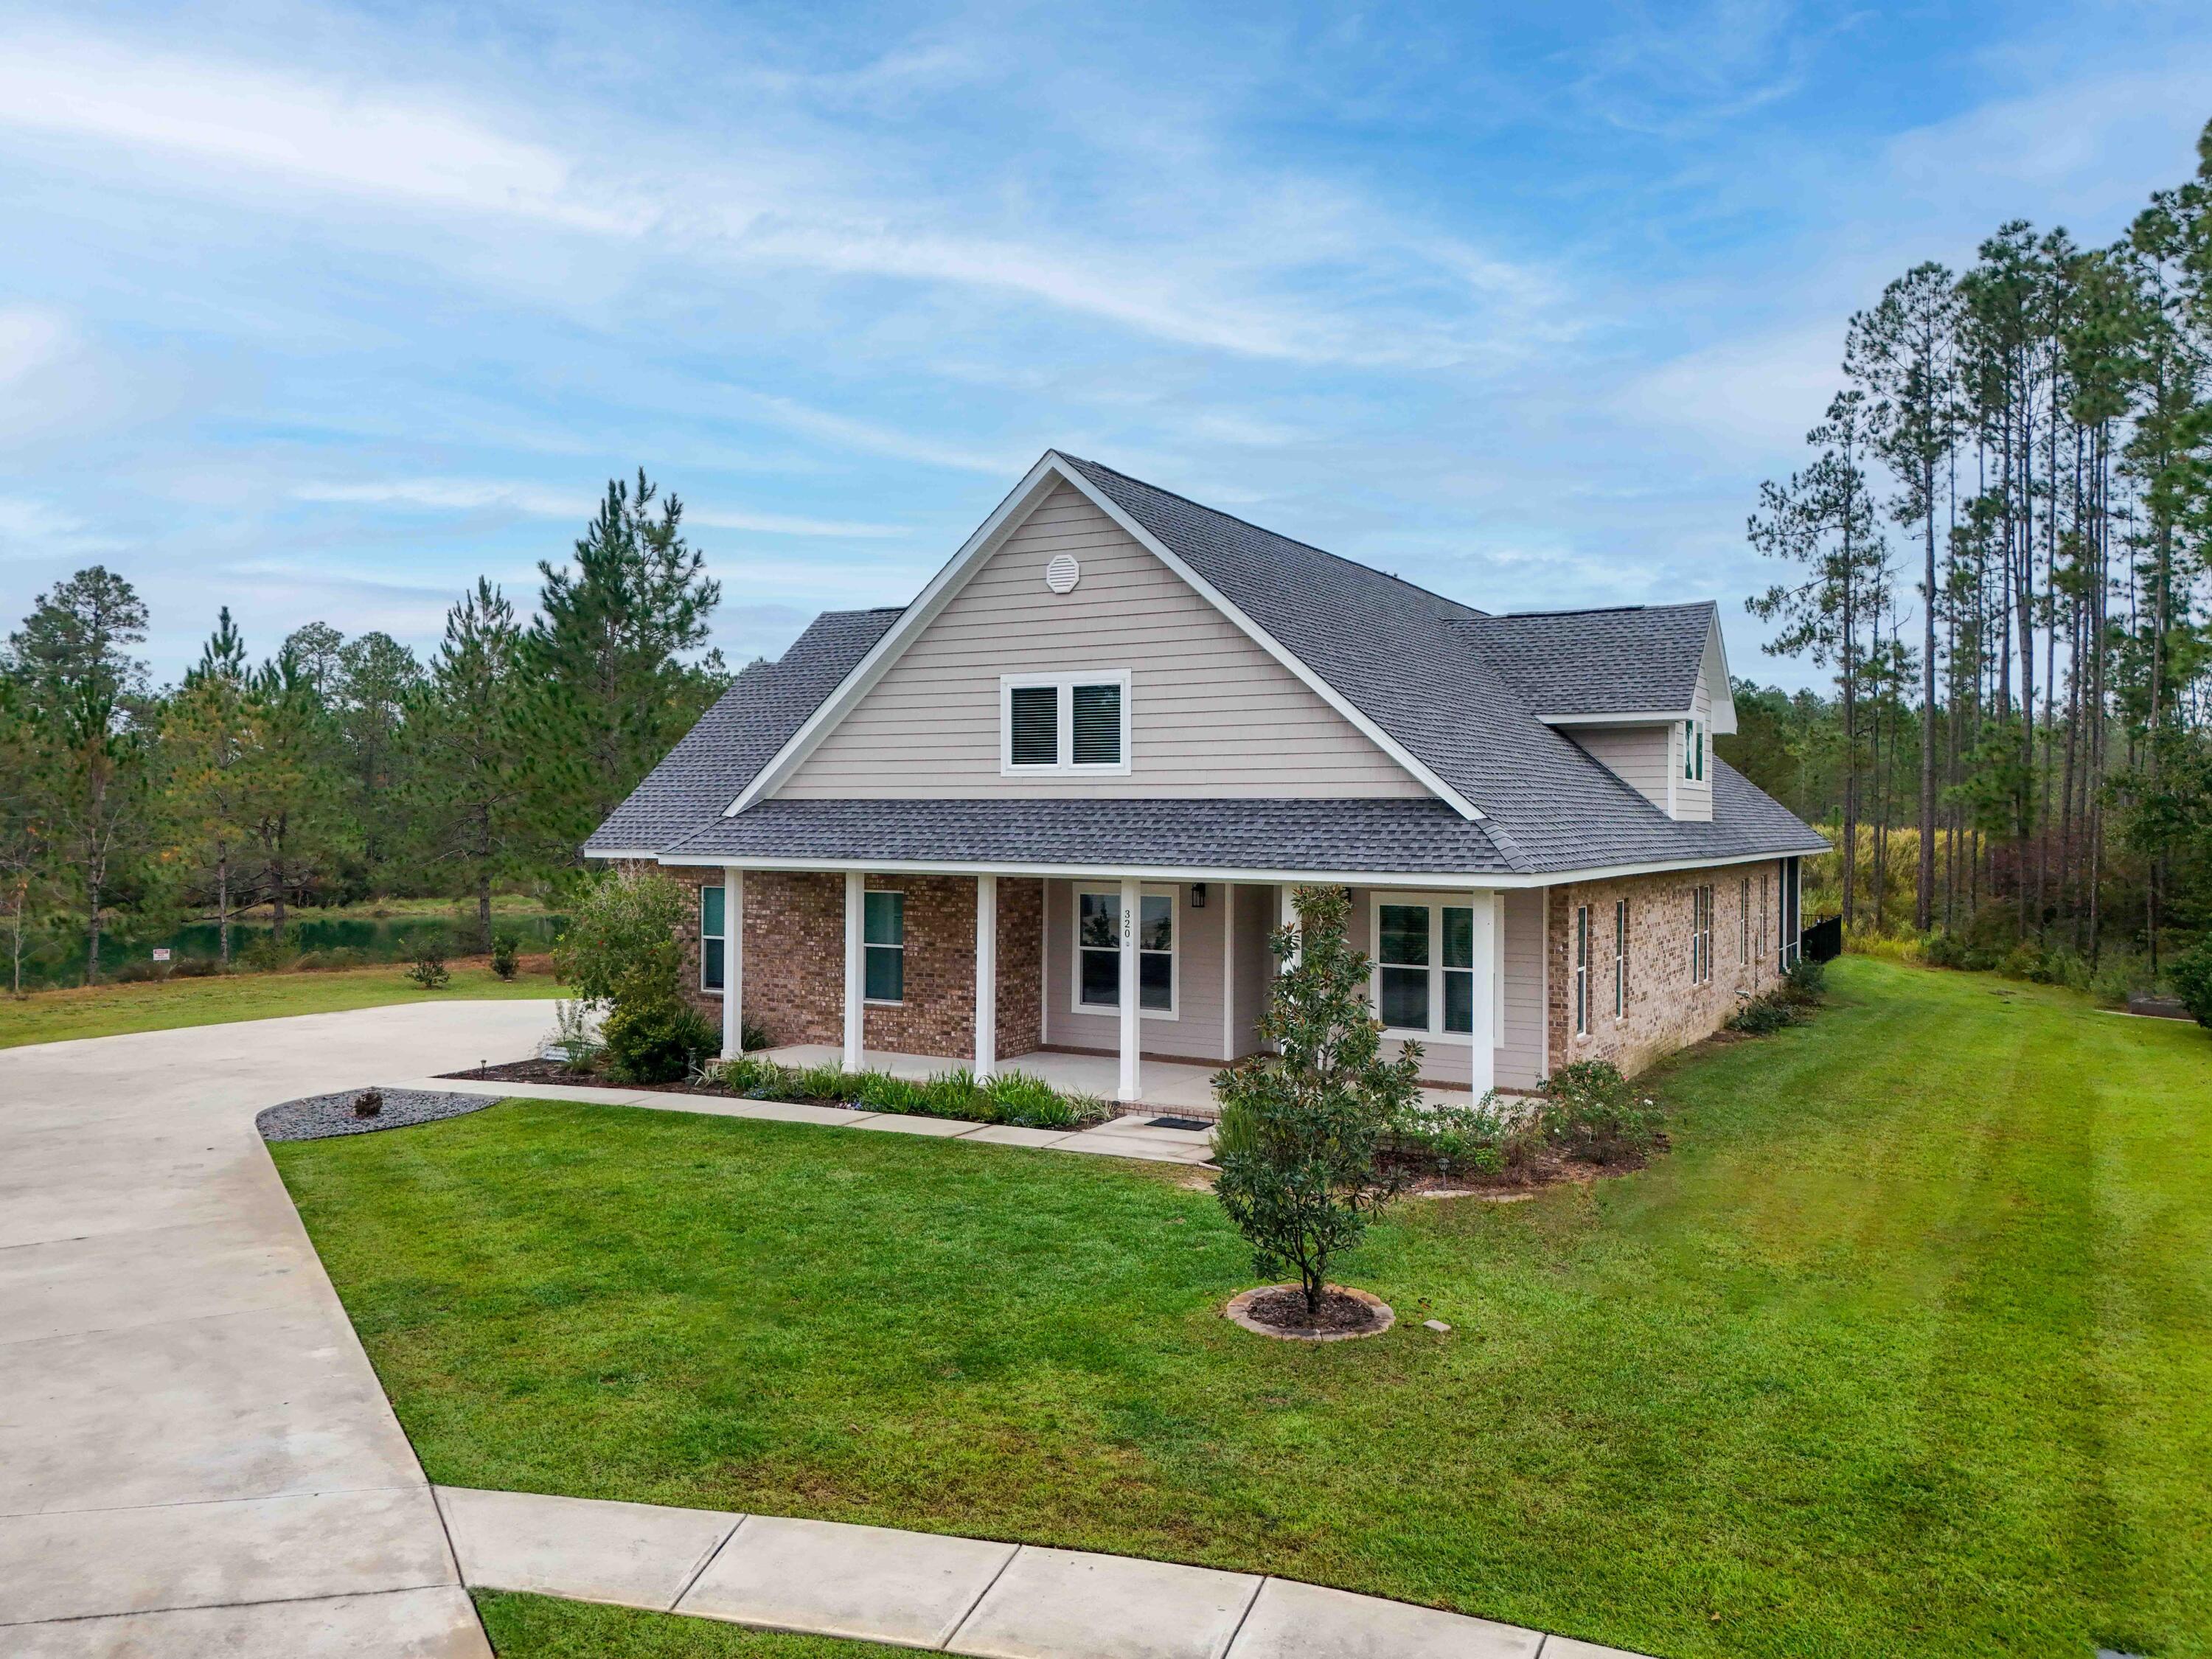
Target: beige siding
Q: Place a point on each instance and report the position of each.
(1211, 712)
(1640, 756)
(1258, 910)
(1520, 1048)
(1193, 1032)
(1694, 801)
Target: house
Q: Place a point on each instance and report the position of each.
(1058, 804)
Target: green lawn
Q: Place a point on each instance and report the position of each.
(1905, 1348)
(539, 1628)
(161, 1005)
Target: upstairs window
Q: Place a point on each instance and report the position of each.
(1693, 751)
(1059, 725)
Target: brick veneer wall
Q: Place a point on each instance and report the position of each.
(938, 1015)
(1021, 966)
(795, 955)
(1666, 1010)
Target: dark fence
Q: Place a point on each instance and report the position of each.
(1823, 941)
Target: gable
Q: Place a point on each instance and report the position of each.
(1211, 713)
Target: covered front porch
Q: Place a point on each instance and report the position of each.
(1128, 986)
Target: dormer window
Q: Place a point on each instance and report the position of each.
(1064, 725)
(1693, 751)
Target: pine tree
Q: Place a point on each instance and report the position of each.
(208, 743)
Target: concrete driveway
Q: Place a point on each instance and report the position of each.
(195, 1456)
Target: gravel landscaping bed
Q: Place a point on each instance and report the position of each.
(320, 1116)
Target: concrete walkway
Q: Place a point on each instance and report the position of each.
(195, 1455)
(1132, 1136)
(966, 1595)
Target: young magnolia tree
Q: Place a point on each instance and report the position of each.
(1301, 1129)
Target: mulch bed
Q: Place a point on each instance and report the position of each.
(1281, 1310)
(318, 1117)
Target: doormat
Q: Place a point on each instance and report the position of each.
(1177, 1123)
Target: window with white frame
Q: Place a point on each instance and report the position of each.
(1424, 966)
(1098, 952)
(1582, 971)
(1621, 959)
(713, 936)
(1701, 934)
(1064, 723)
(883, 941)
(1743, 925)
(1693, 751)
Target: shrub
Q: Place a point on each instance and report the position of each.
(139, 969)
(1471, 1138)
(1589, 1112)
(879, 1092)
(2192, 980)
(657, 1041)
(2117, 978)
(1302, 1129)
(427, 962)
(620, 946)
(1944, 948)
(957, 1094)
(267, 953)
(1762, 1016)
(196, 967)
(1031, 1103)
(505, 952)
(1802, 986)
(753, 1035)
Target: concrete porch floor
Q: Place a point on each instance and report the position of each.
(1168, 1085)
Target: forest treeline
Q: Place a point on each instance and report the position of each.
(330, 768)
(2000, 544)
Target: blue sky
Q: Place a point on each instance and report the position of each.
(320, 312)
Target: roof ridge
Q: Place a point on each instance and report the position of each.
(1387, 576)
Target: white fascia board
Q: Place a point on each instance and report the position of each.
(622, 852)
(1718, 685)
(1267, 642)
(1634, 717)
(1445, 880)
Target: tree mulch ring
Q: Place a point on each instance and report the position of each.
(317, 1117)
(1279, 1311)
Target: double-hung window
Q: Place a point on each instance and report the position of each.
(1064, 725)
(1693, 751)
(1701, 934)
(1621, 959)
(1743, 925)
(713, 935)
(1098, 952)
(1582, 971)
(882, 942)
(1424, 967)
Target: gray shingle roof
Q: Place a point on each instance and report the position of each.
(1637, 658)
(1450, 685)
(718, 757)
(1408, 837)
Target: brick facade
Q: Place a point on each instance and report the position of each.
(1021, 966)
(1666, 1011)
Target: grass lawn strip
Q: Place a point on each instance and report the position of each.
(166, 1005)
(1901, 1349)
(543, 1627)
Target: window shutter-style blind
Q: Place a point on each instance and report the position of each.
(1097, 724)
(1036, 725)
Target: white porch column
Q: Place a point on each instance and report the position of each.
(987, 976)
(1483, 1049)
(734, 962)
(855, 986)
(1131, 1087)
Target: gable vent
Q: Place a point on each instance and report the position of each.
(1062, 573)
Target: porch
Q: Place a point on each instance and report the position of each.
(1133, 989)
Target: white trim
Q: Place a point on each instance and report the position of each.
(1067, 766)
(1228, 970)
(1130, 1086)
(1622, 921)
(1720, 690)
(855, 1004)
(1076, 1004)
(1457, 881)
(1638, 717)
(1487, 955)
(987, 976)
(1050, 470)
(1578, 970)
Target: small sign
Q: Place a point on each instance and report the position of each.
(160, 953)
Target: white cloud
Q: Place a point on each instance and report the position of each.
(870, 438)
(32, 338)
(468, 496)
(1755, 396)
